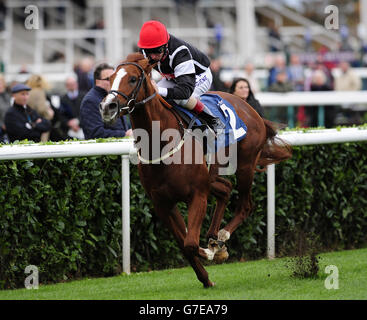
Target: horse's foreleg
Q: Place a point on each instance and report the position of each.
(196, 214)
(174, 221)
(221, 189)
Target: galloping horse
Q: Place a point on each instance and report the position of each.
(191, 183)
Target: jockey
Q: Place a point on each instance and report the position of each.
(185, 69)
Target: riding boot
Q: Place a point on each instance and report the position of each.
(205, 114)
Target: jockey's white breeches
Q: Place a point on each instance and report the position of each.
(203, 83)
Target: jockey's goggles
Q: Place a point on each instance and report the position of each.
(158, 50)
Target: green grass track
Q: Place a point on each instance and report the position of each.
(253, 280)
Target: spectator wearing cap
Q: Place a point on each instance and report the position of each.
(90, 118)
(21, 121)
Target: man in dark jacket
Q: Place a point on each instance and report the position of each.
(71, 100)
(70, 107)
(21, 121)
(90, 117)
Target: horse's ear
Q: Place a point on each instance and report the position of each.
(147, 66)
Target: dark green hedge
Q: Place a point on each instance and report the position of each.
(64, 215)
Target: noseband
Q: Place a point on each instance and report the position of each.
(131, 98)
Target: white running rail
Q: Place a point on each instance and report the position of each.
(125, 148)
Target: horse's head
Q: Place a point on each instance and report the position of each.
(129, 88)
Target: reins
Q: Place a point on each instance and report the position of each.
(131, 99)
(132, 104)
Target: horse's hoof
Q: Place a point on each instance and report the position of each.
(221, 255)
(212, 244)
(215, 245)
(209, 284)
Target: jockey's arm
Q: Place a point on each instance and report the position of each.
(182, 90)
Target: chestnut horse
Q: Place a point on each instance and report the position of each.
(191, 183)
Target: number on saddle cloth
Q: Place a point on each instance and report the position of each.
(235, 129)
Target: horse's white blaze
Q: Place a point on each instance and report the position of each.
(116, 84)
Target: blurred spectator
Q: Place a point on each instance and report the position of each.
(99, 25)
(308, 39)
(319, 65)
(56, 56)
(297, 77)
(275, 41)
(70, 107)
(241, 87)
(71, 100)
(38, 100)
(319, 83)
(21, 121)
(344, 35)
(2, 15)
(325, 66)
(348, 79)
(282, 83)
(90, 117)
(217, 83)
(84, 72)
(218, 30)
(23, 69)
(250, 76)
(279, 65)
(4, 106)
(364, 55)
(59, 124)
(296, 73)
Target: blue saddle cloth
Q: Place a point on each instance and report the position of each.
(234, 128)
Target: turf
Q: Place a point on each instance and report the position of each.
(252, 280)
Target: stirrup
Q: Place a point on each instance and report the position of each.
(213, 122)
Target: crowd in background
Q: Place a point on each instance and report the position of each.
(24, 105)
(284, 75)
(310, 70)
(288, 73)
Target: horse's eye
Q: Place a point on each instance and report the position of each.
(133, 80)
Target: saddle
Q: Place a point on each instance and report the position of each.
(192, 120)
(232, 128)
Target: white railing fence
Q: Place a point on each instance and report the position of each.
(89, 148)
(125, 148)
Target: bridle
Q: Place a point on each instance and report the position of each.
(132, 104)
(131, 98)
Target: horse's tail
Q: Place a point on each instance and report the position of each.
(275, 149)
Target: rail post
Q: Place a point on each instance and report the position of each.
(271, 210)
(125, 195)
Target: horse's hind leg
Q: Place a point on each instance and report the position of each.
(176, 224)
(245, 176)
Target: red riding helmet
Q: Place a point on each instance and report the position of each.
(153, 34)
